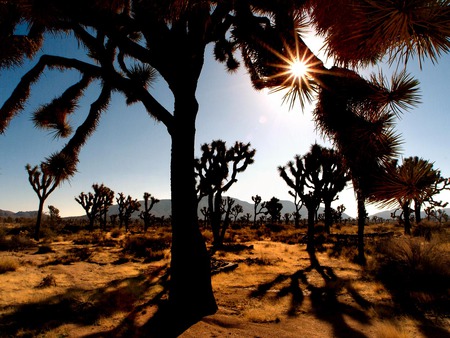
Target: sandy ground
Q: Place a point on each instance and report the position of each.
(272, 292)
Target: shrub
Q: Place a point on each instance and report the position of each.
(145, 247)
(415, 264)
(7, 264)
(427, 229)
(16, 242)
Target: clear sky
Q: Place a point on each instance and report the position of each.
(130, 152)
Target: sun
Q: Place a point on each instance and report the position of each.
(298, 68)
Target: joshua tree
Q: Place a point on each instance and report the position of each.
(334, 179)
(340, 209)
(125, 41)
(236, 210)
(127, 206)
(274, 207)
(304, 176)
(298, 203)
(258, 211)
(212, 169)
(96, 204)
(145, 215)
(105, 200)
(44, 182)
(89, 203)
(415, 180)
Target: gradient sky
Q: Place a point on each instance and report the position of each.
(130, 151)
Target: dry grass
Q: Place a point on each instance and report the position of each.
(8, 264)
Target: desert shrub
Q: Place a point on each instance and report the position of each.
(116, 233)
(414, 264)
(427, 229)
(16, 242)
(47, 281)
(144, 247)
(7, 264)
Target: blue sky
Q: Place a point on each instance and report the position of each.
(130, 152)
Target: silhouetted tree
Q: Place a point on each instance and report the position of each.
(334, 179)
(236, 210)
(145, 215)
(96, 204)
(274, 207)
(43, 182)
(127, 206)
(340, 209)
(105, 200)
(212, 170)
(124, 41)
(298, 203)
(304, 176)
(89, 203)
(54, 214)
(415, 180)
(257, 200)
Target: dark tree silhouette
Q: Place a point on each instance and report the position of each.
(212, 170)
(257, 200)
(145, 215)
(273, 208)
(303, 175)
(89, 203)
(298, 203)
(126, 41)
(105, 200)
(127, 206)
(44, 182)
(414, 180)
(236, 210)
(96, 204)
(334, 179)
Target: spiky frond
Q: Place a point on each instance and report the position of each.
(401, 94)
(54, 114)
(404, 183)
(360, 33)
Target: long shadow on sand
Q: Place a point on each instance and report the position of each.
(82, 307)
(324, 299)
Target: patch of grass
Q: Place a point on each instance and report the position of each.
(8, 264)
(16, 242)
(150, 249)
(390, 329)
(47, 281)
(416, 272)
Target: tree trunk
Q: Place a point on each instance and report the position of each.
(406, 220)
(417, 212)
(190, 290)
(328, 217)
(37, 228)
(310, 246)
(361, 224)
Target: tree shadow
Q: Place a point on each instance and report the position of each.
(81, 306)
(324, 299)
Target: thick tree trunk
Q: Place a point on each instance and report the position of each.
(328, 217)
(37, 228)
(190, 290)
(406, 220)
(310, 246)
(417, 212)
(361, 224)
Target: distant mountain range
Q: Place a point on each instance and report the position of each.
(163, 208)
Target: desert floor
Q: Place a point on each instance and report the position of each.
(62, 289)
